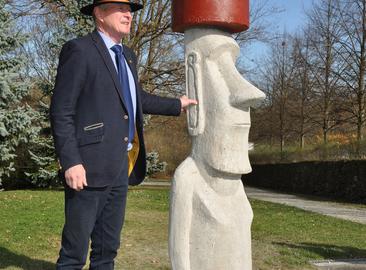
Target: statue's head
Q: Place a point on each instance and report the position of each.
(220, 122)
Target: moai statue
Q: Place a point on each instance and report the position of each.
(210, 215)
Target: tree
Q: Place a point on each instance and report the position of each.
(352, 51)
(260, 31)
(278, 73)
(302, 85)
(160, 67)
(323, 33)
(16, 116)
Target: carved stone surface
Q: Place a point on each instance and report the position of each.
(210, 216)
(194, 91)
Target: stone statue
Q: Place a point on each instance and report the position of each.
(210, 215)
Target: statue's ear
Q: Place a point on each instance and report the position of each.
(194, 91)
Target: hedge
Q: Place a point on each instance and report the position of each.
(343, 180)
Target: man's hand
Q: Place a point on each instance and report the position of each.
(186, 102)
(75, 177)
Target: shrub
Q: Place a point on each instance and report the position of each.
(153, 164)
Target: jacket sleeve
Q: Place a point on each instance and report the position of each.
(71, 74)
(152, 104)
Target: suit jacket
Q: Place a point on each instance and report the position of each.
(88, 115)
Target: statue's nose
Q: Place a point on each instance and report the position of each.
(243, 94)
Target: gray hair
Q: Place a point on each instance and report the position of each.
(103, 7)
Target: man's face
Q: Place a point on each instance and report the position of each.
(114, 18)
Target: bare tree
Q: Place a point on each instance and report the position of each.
(323, 33)
(276, 77)
(261, 31)
(264, 128)
(282, 88)
(352, 15)
(261, 27)
(158, 49)
(302, 86)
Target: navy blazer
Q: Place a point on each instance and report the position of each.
(88, 115)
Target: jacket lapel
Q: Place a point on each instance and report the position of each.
(132, 67)
(103, 50)
(130, 63)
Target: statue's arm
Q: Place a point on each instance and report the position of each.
(180, 221)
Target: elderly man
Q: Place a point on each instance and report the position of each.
(97, 119)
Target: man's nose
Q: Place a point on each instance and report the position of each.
(128, 15)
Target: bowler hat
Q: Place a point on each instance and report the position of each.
(88, 9)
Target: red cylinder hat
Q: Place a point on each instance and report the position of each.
(229, 15)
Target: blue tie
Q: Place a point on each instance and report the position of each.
(123, 78)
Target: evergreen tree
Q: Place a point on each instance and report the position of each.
(42, 167)
(16, 116)
(68, 23)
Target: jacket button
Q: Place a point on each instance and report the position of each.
(125, 116)
(125, 139)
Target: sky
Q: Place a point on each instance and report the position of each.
(293, 14)
(290, 19)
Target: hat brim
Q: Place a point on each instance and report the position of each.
(88, 10)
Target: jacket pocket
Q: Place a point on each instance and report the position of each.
(92, 134)
(94, 128)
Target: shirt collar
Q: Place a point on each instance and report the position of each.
(108, 41)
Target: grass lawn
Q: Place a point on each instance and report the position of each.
(283, 237)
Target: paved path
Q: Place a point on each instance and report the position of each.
(355, 264)
(338, 210)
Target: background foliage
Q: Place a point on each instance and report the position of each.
(16, 116)
(314, 80)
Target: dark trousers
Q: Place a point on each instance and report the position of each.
(95, 214)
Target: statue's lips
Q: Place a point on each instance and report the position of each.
(242, 125)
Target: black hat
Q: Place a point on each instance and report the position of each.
(88, 10)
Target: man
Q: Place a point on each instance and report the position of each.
(97, 117)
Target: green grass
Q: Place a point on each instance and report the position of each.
(30, 224)
(283, 237)
(287, 238)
